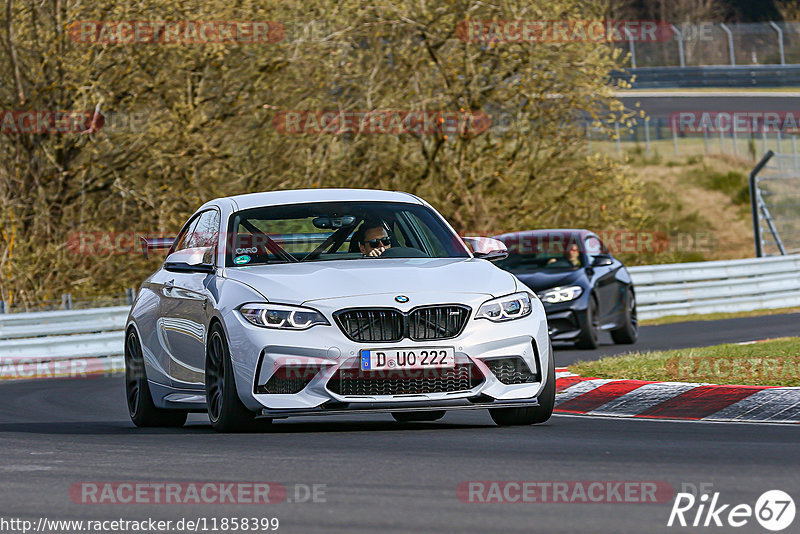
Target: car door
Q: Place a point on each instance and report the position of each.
(185, 308)
(605, 278)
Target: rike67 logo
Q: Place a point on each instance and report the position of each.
(774, 510)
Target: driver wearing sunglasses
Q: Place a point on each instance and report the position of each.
(374, 240)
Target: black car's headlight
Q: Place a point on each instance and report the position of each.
(561, 294)
(506, 308)
(282, 316)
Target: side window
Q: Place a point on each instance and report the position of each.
(206, 233)
(203, 231)
(594, 246)
(184, 238)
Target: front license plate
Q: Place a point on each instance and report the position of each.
(417, 358)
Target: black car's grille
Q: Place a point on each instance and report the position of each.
(512, 371)
(288, 380)
(387, 324)
(354, 382)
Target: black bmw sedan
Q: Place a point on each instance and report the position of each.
(583, 287)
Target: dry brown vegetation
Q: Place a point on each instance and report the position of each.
(204, 124)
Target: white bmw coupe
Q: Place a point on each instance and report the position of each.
(332, 301)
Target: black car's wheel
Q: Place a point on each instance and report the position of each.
(591, 325)
(225, 409)
(629, 332)
(536, 414)
(141, 408)
(407, 417)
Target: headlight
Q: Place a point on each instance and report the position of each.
(506, 308)
(561, 294)
(282, 316)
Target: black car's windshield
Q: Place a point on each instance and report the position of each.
(548, 253)
(337, 230)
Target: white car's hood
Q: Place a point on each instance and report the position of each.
(295, 283)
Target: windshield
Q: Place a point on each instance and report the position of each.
(545, 253)
(338, 231)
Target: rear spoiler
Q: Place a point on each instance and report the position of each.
(155, 243)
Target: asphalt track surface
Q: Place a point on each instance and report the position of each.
(663, 106)
(380, 476)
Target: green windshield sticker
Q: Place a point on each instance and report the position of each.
(241, 260)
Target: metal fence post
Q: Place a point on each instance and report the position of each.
(633, 49)
(2, 306)
(674, 137)
(647, 135)
(735, 141)
(780, 42)
(754, 201)
(730, 43)
(66, 301)
(705, 137)
(794, 155)
(619, 140)
(681, 55)
(721, 141)
(130, 295)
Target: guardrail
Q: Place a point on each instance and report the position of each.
(671, 289)
(717, 286)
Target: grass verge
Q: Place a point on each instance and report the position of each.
(769, 363)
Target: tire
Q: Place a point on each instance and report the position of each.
(142, 410)
(225, 410)
(536, 414)
(629, 333)
(407, 417)
(587, 339)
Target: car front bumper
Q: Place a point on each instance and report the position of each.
(258, 353)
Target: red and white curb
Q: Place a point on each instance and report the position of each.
(675, 400)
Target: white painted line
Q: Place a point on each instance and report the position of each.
(580, 388)
(642, 398)
(760, 406)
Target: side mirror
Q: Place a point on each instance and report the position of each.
(602, 260)
(191, 260)
(486, 248)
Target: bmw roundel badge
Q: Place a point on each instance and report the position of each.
(402, 299)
